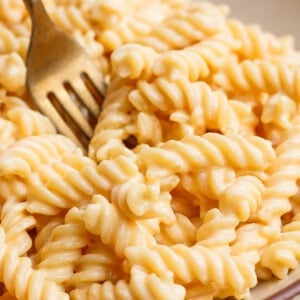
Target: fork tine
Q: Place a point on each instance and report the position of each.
(64, 98)
(50, 111)
(85, 96)
(95, 78)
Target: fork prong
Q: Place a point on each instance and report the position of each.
(64, 98)
(85, 96)
(96, 79)
(49, 110)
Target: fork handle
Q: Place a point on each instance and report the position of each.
(38, 13)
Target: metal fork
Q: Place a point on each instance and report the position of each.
(61, 78)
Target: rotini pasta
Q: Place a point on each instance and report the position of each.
(141, 286)
(21, 279)
(256, 44)
(196, 263)
(115, 230)
(185, 28)
(197, 61)
(58, 257)
(259, 76)
(190, 186)
(211, 149)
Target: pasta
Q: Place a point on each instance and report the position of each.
(190, 186)
(141, 286)
(197, 262)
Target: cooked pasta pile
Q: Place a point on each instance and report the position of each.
(190, 186)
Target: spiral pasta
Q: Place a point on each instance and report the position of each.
(141, 286)
(16, 221)
(12, 11)
(183, 29)
(259, 76)
(283, 254)
(210, 149)
(256, 44)
(205, 108)
(133, 61)
(182, 232)
(57, 258)
(286, 160)
(115, 230)
(12, 72)
(189, 188)
(197, 61)
(21, 280)
(196, 263)
(97, 264)
(70, 18)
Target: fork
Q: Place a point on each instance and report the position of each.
(61, 78)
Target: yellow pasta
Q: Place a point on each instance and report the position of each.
(256, 44)
(258, 76)
(187, 264)
(185, 28)
(115, 230)
(283, 253)
(197, 61)
(182, 232)
(141, 286)
(133, 61)
(97, 264)
(16, 222)
(211, 149)
(57, 258)
(189, 188)
(21, 279)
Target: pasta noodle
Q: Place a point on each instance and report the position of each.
(190, 186)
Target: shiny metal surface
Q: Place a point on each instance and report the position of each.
(59, 74)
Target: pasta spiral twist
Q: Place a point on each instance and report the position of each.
(190, 188)
(8, 41)
(12, 190)
(32, 152)
(139, 200)
(7, 134)
(283, 254)
(196, 263)
(259, 76)
(282, 181)
(60, 185)
(141, 286)
(257, 44)
(133, 61)
(59, 255)
(13, 71)
(197, 61)
(12, 11)
(183, 231)
(183, 30)
(68, 18)
(30, 123)
(242, 198)
(16, 221)
(211, 149)
(205, 108)
(97, 264)
(21, 280)
(277, 116)
(103, 219)
(217, 230)
(210, 182)
(115, 124)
